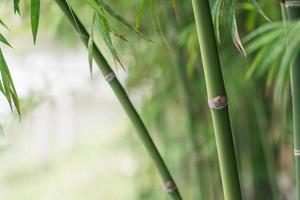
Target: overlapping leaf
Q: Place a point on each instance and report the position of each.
(119, 18)
(273, 58)
(104, 28)
(259, 9)
(7, 86)
(223, 13)
(16, 6)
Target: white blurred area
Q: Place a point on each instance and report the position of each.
(67, 144)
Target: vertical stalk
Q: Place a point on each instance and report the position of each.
(293, 13)
(119, 91)
(217, 100)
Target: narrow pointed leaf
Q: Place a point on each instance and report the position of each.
(4, 40)
(35, 16)
(91, 47)
(259, 10)
(16, 6)
(8, 85)
(3, 24)
(139, 15)
(123, 21)
(216, 14)
(105, 32)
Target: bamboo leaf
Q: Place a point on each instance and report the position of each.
(123, 21)
(263, 30)
(105, 32)
(16, 6)
(91, 46)
(216, 14)
(35, 15)
(8, 85)
(138, 18)
(259, 10)
(3, 24)
(236, 37)
(4, 40)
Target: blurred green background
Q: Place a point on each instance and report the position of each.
(74, 140)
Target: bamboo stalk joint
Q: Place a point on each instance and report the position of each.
(296, 152)
(110, 76)
(170, 186)
(218, 102)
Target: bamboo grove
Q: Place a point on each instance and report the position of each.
(231, 67)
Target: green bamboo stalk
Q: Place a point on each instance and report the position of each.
(293, 13)
(119, 91)
(217, 100)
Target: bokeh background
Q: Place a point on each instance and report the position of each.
(75, 142)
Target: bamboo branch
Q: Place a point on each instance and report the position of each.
(119, 91)
(217, 100)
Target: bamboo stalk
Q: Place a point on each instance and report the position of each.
(217, 100)
(170, 185)
(293, 13)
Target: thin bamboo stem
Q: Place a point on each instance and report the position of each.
(217, 100)
(119, 91)
(293, 13)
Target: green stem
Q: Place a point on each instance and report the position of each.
(293, 13)
(125, 102)
(217, 100)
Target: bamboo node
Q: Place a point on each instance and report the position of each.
(110, 76)
(297, 152)
(218, 102)
(170, 186)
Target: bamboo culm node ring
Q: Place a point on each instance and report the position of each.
(218, 102)
(110, 76)
(170, 186)
(296, 152)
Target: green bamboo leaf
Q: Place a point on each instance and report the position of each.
(216, 14)
(4, 40)
(91, 46)
(231, 20)
(35, 16)
(105, 32)
(263, 30)
(16, 6)
(1, 88)
(139, 15)
(259, 10)
(236, 37)
(15, 99)
(123, 21)
(8, 85)
(3, 24)
(95, 6)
